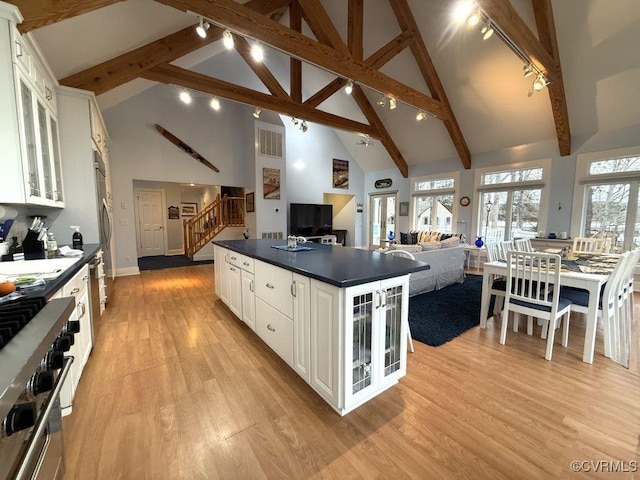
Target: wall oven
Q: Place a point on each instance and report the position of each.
(34, 336)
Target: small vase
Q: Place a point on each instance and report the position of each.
(479, 242)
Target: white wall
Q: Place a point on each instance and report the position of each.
(310, 169)
(139, 152)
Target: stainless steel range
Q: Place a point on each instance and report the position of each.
(33, 338)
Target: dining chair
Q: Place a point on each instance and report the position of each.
(590, 245)
(620, 335)
(524, 245)
(608, 304)
(532, 289)
(409, 255)
(499, 283)
(505, 246)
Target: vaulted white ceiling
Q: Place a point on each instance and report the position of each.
(598, 40)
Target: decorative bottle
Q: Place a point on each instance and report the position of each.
(479, 242)
(77, 238)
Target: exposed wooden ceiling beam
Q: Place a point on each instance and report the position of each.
(355, 27)
(259, 68)
(171, 74)
(247, 22)
(547, 35)
(386, 140)
(505, 16)
(38, 13)
(295, 65)
(321, 25)
(126, 67)
(387, 52)
(321, 95)
(425, 64)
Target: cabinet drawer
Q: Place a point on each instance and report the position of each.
(273, 285)
(21, 53)
(276, 330)
(77, 285)
(247, 263)
(234, 258)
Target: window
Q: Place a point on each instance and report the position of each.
(606, 197)
(433, 206)
(512, 201)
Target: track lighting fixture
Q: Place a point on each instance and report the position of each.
(421, 115)
(257, 52)
(303, 126)
(185, 97)
(383, 101)
(487, 30)
(474, 18)
(295, 121)
(256, 112)
(527, 70)
(227, 39)
(201, 29)
(392, 103)
(540, 82)
(349, 87)
(215, 103)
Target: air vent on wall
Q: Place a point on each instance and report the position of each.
(277, 235)
(270, 143)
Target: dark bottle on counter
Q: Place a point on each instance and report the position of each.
(77, 238)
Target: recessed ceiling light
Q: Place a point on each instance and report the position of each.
(192, 184)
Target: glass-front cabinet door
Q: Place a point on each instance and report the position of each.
(43, 127)
(29, 141)
(394, 338)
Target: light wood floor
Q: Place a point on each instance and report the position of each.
(178, 388)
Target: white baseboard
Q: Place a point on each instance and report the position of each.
(124, 272)
(175, 251)
(205, 256)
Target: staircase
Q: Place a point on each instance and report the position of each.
(215, 217)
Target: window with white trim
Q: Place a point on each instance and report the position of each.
(513, 200)
(606, 197)
(434, 203)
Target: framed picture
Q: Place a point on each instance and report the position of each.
(174, 212)
(251, 203)
(188, 209)
(404, 209)
(271, 183)
(340, 173)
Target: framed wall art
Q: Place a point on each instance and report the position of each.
(188, 209)
(251, 202)
(271, 183)
(340, 173)
(404, 209)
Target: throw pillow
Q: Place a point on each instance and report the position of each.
(414, 238)
(428, 246)
(404, 238)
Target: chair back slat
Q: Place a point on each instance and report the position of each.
(494, 253)
(524, 245)
(590, 245)
(532, 276)
(505, 247)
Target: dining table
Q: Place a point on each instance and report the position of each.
(588, 272)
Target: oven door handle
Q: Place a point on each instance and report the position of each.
(43, 420)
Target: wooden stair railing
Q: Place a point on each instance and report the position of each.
(215, 217)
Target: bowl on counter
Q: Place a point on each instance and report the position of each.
(551, 236)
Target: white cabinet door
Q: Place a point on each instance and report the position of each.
(234, 279)
(83, 338)
(248, 300)
(273, 285)
(393, 337)
(301, 325)
(324, 336)
(221, 269)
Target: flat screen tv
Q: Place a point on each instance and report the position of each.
(310, 220)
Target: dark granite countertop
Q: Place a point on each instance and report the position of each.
(333, 264)
(51, 286)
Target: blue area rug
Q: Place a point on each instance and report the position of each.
(438, 317)
(160, 261)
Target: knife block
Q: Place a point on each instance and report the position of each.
(32, 247)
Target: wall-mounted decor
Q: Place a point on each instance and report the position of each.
(251, 203)
(185, 148)
(340, 173)
(174, 212)
(359, 207)
(188, 209)
(404, 209)
(383, 183)
(464, 201)
(271, 183)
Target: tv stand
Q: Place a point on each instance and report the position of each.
(328, 239)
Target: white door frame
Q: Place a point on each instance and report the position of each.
(163, 209)
(372, 195)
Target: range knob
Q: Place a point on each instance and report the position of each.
(53, 360)
(63, 342)
(20, 417)
(72, 326)
(40, 382)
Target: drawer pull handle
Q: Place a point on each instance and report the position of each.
(379, 295)
(251, 286)
(270, 286)
(85, 278)
(246, 264)
(74, 291)
(232, 269)
(293, 288)
(233, 258)
(269, 327)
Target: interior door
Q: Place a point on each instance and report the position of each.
(150, 223)
(382, 218)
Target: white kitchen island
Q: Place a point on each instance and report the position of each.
(337, 316)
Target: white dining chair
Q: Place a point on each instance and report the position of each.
(608, 304)
(505, 246)
(524, 245)
(531, 290)
(498, 283)
(620, 335)
(409, 255)
(590, 245)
